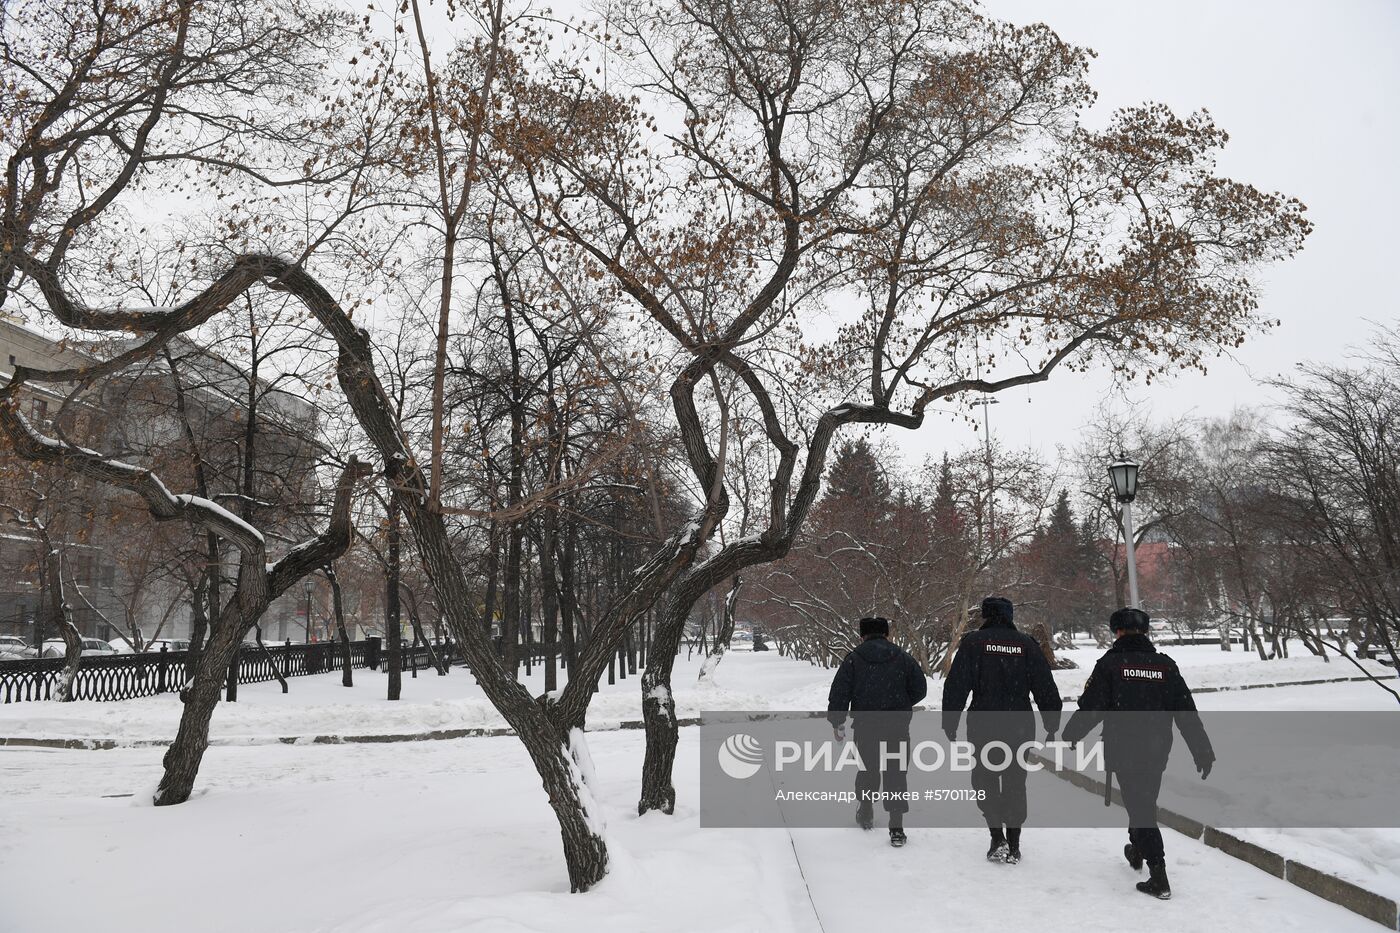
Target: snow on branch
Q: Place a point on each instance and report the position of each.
(34, 447)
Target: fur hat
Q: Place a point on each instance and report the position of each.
(1129, 620)
(998, 608)
(874, 625)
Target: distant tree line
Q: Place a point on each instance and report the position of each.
(1267, 527)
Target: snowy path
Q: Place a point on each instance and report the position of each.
(452, 836)
(1070, 879)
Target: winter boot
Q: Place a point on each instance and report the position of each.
(1156, 883)
(897, 837)
(865, 815)
(1134, 857)
(1013, 845)
(999, 848)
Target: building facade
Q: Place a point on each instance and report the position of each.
(201, 423)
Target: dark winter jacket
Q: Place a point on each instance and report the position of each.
(876, 677)
(1001, 667)
(1133, 676)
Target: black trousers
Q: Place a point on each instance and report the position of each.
(1140, 787)
(878, 773)
(1003, 792)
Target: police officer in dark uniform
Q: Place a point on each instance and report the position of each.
(878, 677)
(1001, 667)
(1134, 676)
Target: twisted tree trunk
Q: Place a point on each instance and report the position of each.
(267, 655)
(183, 757)
(61, 618)
(549, 603)
(393, 627)
(415, 620)
(659, 707)
(726, 633)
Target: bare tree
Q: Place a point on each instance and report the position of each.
(54, 612)
(1336, 467)
(924, 155)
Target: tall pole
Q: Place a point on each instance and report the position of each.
(990, 530)
(1132, 555)
(308, 615)
(987, 402)
(984, 401)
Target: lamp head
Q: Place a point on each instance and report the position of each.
(1124, 476)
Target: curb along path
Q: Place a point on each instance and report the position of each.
(1353, 897)
(436, 735)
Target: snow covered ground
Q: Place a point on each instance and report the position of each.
(447, 836)
(456, 835)
(1208, 666)
(319, 705)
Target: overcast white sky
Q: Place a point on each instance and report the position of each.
(1308, 92)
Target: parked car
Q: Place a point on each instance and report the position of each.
(13, 647)
(121, 644)
(1163, 631)
(56, 648)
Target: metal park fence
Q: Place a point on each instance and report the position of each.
(126, 676)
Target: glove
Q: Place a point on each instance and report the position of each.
(1204, 768)
(838, 733)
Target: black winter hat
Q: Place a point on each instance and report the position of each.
(874, 625)
(998, 607)
(1128, 620)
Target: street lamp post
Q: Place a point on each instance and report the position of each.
(984, 402)
(1124, 476)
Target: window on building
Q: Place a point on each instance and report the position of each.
(40, 409)
(109, 576)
